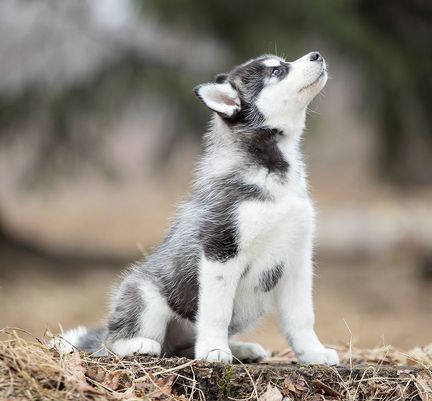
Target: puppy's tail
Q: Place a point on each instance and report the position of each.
(82, 339)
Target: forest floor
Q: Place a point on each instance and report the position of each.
(30, 370)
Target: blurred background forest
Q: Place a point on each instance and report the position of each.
(99, 133)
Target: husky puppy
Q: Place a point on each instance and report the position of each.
(242, 241)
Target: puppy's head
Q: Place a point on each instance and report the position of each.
(265, 91)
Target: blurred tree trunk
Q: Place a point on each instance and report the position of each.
(402, 65)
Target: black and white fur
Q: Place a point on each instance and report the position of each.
(242, 241)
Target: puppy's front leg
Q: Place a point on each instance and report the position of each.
(295, 309)
(218, 283)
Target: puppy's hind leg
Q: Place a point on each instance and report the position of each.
(138, 321)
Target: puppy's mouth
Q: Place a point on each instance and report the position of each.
(322, 74)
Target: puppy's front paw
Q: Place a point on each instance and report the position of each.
(324, 356)
(218, 355)
(214, 353)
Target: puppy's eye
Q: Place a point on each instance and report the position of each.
(276, 72)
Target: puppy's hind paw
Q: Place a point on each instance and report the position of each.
(136, 346)
(248, 352)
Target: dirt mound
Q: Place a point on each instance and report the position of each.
(29, 370)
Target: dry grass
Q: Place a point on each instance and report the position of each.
(29, 370)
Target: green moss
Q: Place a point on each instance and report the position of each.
(225, 383)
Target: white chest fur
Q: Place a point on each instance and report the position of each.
(270, 233)
(267, 226)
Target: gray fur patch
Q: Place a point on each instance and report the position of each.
(269, 278)
(236, 326)
(180, 286)
(218, 231)
(245, 271)
(206, 223)
(124, 321)
(262, 149)
(93, 341)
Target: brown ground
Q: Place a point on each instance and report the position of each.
(28, 370)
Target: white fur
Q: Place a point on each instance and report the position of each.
(154, 321)
(156, 316)
(284, 103)
(221, 98)
(136, 346)
(272, 62)
(218, 285)
(64, 343)
(278, 231)
(271, 233)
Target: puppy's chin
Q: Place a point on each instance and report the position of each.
(323, 79)
(316, 85)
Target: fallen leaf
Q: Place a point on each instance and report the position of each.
(271, 394)
(112, 380)
(156, 389)
(165, 383)
(96, 374)
(145, 387)
(76, 374)
(289, 385)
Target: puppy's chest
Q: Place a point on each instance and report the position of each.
(274, 223)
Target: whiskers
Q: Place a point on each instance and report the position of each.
(276, 52)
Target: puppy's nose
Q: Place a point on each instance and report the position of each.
(315, 56)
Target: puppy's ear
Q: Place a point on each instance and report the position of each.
(221, 98)
(221, 78)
